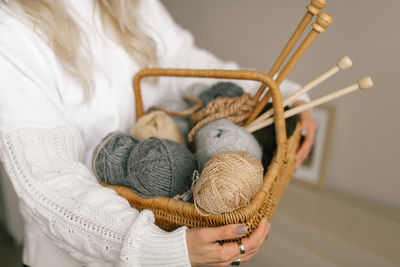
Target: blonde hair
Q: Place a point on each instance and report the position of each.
(57, 27)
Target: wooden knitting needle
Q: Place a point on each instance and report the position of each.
(323, 21)
(342, 64)
(312, 9)
(363, 83)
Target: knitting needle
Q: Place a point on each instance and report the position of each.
(342, 64)
(312, 9)
(363, 83)
(323, 21)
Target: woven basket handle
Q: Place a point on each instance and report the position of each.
(280, 128)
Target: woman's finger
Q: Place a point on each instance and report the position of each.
(246, 257)
(231, 250)
(309, 127)
(256, 239)
(203, 246)
(253, 243)
(225, 232)
(305, 147)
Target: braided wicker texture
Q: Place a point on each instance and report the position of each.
(171, 214)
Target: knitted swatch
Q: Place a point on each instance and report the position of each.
(221, 136)
(228, 182)
(157, 124)
(110, 157)
(159, 167)
(267, 138)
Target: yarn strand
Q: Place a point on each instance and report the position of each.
(185, 113)
(235, 109)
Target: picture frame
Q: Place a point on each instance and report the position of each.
(312, 171)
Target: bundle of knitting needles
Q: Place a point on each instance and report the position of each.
(257, 121)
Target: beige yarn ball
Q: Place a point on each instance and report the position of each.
(229, 181)
(157, 124)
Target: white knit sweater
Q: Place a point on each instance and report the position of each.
(47, 137)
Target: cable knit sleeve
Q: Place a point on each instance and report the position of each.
(90, 222)
(42, 152)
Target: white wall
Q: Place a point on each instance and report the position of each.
(365, 143)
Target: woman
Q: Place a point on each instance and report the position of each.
(66, 69)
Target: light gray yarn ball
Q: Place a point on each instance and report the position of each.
(220, 89)
(159, 167)
(222, 136)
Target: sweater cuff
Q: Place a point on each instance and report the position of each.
(148, 245)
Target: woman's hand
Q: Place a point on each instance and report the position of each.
(205, 250)
(308, 129)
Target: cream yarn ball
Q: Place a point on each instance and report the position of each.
(157, 124)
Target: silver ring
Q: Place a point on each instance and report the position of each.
(241, 247)
(236, 262)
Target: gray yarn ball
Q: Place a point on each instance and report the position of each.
(159, 167)
(223, 136)
(220, 89)
(110, 157)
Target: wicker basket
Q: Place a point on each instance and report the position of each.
(171, 214)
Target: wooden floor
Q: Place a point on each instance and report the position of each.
(311, 228)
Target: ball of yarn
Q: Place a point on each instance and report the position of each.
(228, 182)
(221, 136)
(220, 89)
(267, 138)
(111, 156)
(159, 167)
(157, 124)
(178, 104)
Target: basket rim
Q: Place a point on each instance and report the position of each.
(280, 156)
